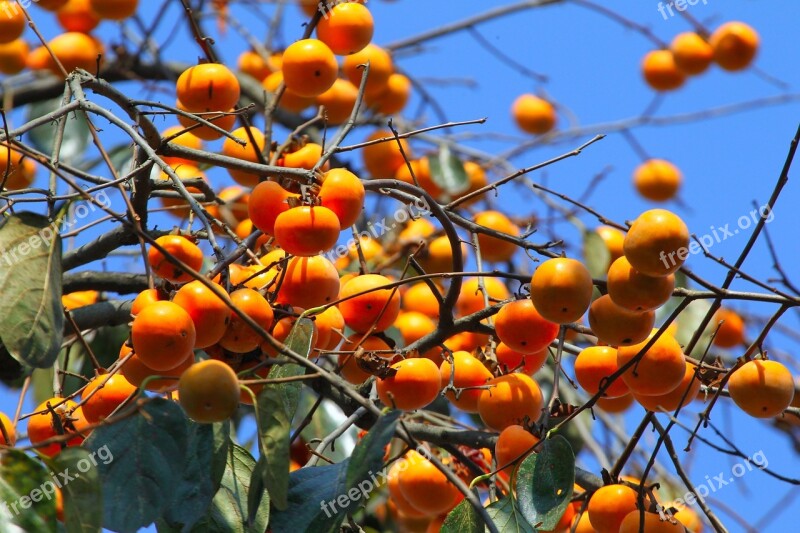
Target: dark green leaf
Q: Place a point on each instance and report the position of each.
(195, 488)
(219, 459)
(144, 458)
(507, 518)
(689, 321)
(83, 495)
(320, 497)
(544, 483)
(595, 254)
(276, 407)
(463, 519)
(311, 500)
(31, 316)
(20, 476)
(447, 171)
(367, 458)
(228, 511)
(76, 132)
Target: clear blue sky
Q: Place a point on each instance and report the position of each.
(593, 68)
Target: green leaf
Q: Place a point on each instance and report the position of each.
(144, 461)
(326, 419)
(76, 132)
(275, 409)
(219, 459)
(31, 316)
(320, 497)
(463, 519)
(689, 321)
(367, 457)
(447, 171)
(311, 492)
(544, 483)
(507, 518)
(20, 476)
(595, 254)
(228, 511)
(195, 488)
(83, 495)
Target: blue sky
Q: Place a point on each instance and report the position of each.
(592, 65)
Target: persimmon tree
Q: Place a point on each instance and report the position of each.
(268, 294)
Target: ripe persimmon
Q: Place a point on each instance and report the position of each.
(613, 238)
(396, 495)
(51, 5)
(635, 291)
(239, 336)
(309, 67)
(12, 23)
(290, 101)
(9, 430)
(308, 282)
(609, 505)
(381, 68)
(492, 248)
(339, 101)
(384, 158)
(371, 307)
(618, 326)
(42, 426)
(304, 157)
(267, 200)
(307, 230)
(209, 391)
(136, 372)
(692, 53)
(735, 45)
(593, 365)
(520, 326)
(533, 114)
(416, 384)
(657, 180)
(510, 399)
(16, 170)
(349, 368)
(466, 371)
(513, 444)
(660, 71)
(208, 87)
(235, 205)
(209, 312)
(13, 56)
(393, 98)
(652, 523)
(103, 394)
(419, 297)
(145, 298)
(657, 243)
(330, 324)
(179, 207)
(347, 28)
(511, 360)
(670, 401)
(249, 152)
(186, 139)
(177, 247)
(252, 64)
(659, 371)
(762, 389)
(163, 335)
(425, 487)
(343, 193)
(282, 329)
(74, 50)
(731, 330)
(561, 290)
(224, 119)
(114, 9)
(421, 170)
(413, 325)
(78, 15)
(615, 405)
(471, 298)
